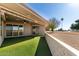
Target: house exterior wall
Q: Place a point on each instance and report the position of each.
(41, 30)
(27, 29)
(38, 29)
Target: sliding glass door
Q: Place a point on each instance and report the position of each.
(14, 30)
(9, 29)
(21, 30)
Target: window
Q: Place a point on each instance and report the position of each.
(14, 30)
(9, 29)
(34, 29)
(21, 28)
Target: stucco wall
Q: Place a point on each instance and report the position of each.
(41, 30)
(0, 40)
(2, 33)
(58, 49)
(27, 29)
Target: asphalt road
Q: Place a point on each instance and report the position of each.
(70, 38)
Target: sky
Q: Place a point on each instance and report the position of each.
(70, 12)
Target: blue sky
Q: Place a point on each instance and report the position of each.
(70, 12)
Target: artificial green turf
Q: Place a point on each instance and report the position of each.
(43, 49)
(25, 46)
(19, 46)
(14, 40)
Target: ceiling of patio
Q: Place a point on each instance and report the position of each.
(25, 12)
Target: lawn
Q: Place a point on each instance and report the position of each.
(25, 46)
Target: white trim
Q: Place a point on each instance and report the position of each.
(73, 50)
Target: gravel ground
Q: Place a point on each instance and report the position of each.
(70, 38)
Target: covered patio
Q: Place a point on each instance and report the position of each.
(16, 24)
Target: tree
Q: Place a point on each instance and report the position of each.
(53, 23)
(75, 26)
(62, 23)
(60, 29)
(72, 26)
(62, 19)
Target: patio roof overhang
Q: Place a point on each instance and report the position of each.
(23, 12)
(11, 17)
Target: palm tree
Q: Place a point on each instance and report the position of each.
(62, 22)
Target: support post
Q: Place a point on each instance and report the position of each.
(2, 28)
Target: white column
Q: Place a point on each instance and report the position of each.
(0, 29)
(1, 34)
(2, 18)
